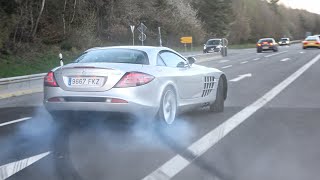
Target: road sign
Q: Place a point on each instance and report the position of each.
(142, 37)
(186, 40)
(142, 27)
(132, 28)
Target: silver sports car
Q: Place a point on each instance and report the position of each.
(148, 81)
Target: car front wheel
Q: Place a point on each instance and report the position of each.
(168, 106)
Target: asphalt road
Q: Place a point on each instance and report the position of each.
(273, 104)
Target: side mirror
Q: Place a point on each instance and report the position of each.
(181, 65)
(191, 60)
(61, 57)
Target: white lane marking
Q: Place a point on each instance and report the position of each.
(285, 59)
(223, 61)
(256, 59)
(275, 54)
(15, 121)
(301, 52)
(225, 67)
(244, 62)
(240, 77)
(213, 137)
(10, 169)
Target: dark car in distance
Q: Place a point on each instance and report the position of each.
(267, 44)
(212, 45)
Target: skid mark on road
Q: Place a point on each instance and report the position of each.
(175, 165)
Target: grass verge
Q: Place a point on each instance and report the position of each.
(14, 65)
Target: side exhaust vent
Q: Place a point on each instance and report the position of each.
(208, 85)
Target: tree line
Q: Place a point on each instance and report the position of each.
(31, 24)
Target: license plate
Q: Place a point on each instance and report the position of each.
(86, 81)
(265, 47)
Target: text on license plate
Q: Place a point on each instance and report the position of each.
(85, 81)
(265, 47)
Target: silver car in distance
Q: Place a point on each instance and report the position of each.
(142, 80)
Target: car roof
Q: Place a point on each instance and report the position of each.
(266, 39)
(141, 48)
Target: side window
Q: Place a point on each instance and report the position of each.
(160, 61)
(171, 59)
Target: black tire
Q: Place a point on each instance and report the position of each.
(275, 50)
(304, 48)
(161, 116)
(259, 51)
(218, 105)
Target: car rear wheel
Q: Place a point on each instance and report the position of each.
(218, 105)
(259, 51)
(168, 106)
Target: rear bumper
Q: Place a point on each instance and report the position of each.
(139, 100)
(311, 46)
(130, 107)
(266, 49)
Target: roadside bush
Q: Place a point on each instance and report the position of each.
(66, 46)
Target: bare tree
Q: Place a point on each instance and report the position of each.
(38, 19)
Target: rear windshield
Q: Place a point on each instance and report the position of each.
(265, 40)
(213, 42)
(284, 39)
(129, 56)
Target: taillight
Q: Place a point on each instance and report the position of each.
(50, 81)
(258, 44)
(271, 44)
(133, 79)
(305, 42)
(317, 43)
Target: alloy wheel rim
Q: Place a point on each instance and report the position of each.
(169, 106)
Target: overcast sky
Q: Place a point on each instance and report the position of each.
(309, 5)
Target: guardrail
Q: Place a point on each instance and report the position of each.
(296, 41)
(20, 85)
(18, 79)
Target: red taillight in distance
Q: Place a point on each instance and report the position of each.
(133, 79)
(50, 81)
